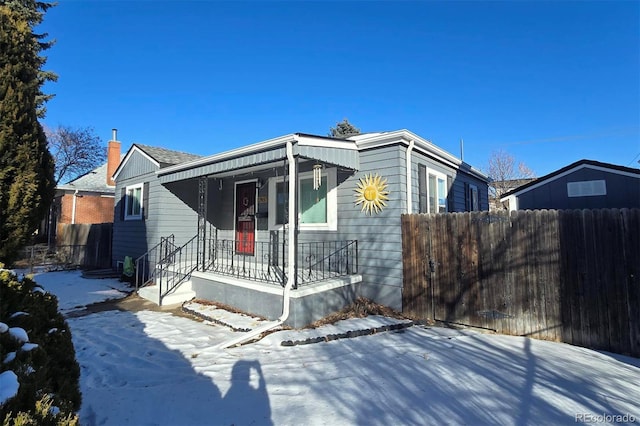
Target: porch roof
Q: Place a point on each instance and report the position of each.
(338, 152)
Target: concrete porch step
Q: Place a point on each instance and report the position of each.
(180, 294)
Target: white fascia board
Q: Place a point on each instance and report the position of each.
(614, 171)
(568, 172)
(421, 144)
(406, 136)
(326, 143)
(238, 152)
(133, 149)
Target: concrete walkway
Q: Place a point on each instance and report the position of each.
(131, 303)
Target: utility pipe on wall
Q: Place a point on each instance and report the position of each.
(73, 207)
(409, 194)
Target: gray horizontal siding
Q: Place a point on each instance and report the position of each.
(169, 214)
(459, 178)
(130, 237)
(379, 235)
(166, 214)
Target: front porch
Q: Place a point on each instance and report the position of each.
(252, 279)
(267, 236)
(306, 304)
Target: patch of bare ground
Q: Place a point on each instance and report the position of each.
(224, 307)
(362, 307)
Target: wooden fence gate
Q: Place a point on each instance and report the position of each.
(570, 276)
(87, 245)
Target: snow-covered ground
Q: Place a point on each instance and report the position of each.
(154, 368)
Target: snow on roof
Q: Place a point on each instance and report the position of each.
(93, 181)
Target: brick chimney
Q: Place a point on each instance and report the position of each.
(113, 157)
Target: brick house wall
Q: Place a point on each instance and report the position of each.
(89, 209)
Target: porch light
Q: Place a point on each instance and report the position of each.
(317, 176)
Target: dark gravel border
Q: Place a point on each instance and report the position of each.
(348, 334)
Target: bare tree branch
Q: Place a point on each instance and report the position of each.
(75, 151)
(505, 174)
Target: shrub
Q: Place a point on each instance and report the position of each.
(48, 374)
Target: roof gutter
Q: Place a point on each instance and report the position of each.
(420, 144)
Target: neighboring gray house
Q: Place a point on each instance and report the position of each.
(226, 219)
(585, 184)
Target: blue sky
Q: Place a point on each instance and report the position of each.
(549, 82)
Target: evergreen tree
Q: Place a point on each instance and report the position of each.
(343, 130)
(26, 166)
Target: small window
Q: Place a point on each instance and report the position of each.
(436, 192)
(133, 202)
(587, 188)
(432, 190)
(474, 206)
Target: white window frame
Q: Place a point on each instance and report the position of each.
(587, 188)
(442, 176)
(332, 202)
(128, 198)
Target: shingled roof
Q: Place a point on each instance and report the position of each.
(94, 181)
(166, 157)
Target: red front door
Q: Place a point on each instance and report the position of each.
(245, 218)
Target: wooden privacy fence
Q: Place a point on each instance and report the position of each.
(563, 275)
(87, 245)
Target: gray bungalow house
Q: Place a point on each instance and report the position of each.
(585, 184)
(295, 227)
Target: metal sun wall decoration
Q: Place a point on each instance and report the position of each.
(372, 193)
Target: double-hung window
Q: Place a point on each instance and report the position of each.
(317, 208)
(437, 192)
(433, 190)
(133, 202)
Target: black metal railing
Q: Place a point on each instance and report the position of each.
(168, 265)
(265, 263)
(319, 261)
(316, 261)
(177, 267)
(147, 264)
